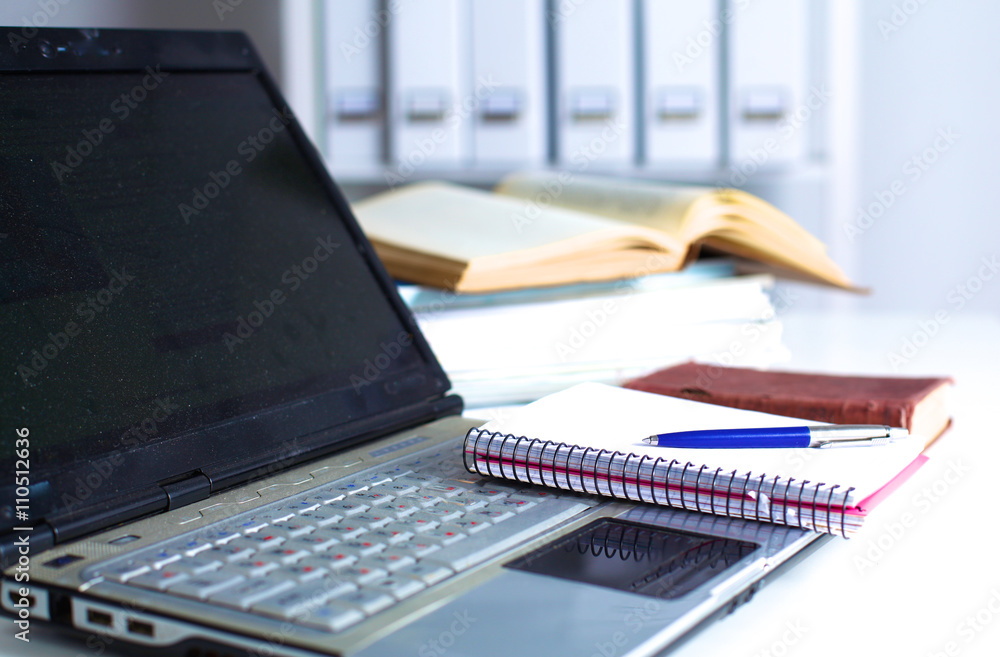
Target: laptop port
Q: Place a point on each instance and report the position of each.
(18, 601)
(142, 628)
(99, 618)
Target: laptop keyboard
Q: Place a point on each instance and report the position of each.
(342, 552)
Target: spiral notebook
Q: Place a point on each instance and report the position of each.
(588, 439)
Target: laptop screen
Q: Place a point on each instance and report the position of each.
(169, 259)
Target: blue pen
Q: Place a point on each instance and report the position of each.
(823, 436)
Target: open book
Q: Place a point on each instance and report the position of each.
(549, 228)
(588, 439)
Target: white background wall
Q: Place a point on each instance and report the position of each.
(939, 70)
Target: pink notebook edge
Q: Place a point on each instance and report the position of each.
(869, 503)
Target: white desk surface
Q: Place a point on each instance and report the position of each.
(922, 578)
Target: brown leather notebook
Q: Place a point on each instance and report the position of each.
(918, 404)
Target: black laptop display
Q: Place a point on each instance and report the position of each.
(170, 262)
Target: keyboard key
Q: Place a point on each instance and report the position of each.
(321, 517)
(295, 528)
(124, 572)
(221, 535)
(194, 545)
(422, 500)
(349, 488)
(443, 536)
(162, 558)
(318, 541)
(361, 547)
(428, 573)
(325, 496)
(401, 506)
(441, 513)
(282, 556)
(362, 575)
(348, 507)
(464, 502)
(398, 587)
(346, 531)
(493, 514)
(416, 479)
(158, 580)
(252, 568)
(442, 490)
(488, 494)
(249, 526)
(332, 561)
(258, 541)
(369, 602)
(251, 592)
(373, 520)
(372, 498)
(391, 534)
(390, 560)
(396, 488)
(300, 572)
(374, 478)
(420, 548)
(332, 617)
(197, 565)
(228, 553)
(470, 525)
(515, 505)
(302, 600)
(202, 586)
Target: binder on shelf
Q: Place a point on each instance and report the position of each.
(595, 77)
(508, 58)
(768, 52)
(355, 135)
(429, 85)
(682, 46)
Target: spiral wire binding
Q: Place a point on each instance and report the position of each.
(613, 473)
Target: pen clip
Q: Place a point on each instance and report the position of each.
(854, 435)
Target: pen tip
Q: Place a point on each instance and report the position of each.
(649, 440)
(896, 433)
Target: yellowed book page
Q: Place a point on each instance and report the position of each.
(659, 206)
(463, 225)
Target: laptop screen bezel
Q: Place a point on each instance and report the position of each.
(240, 448)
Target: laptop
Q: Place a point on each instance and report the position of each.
(224, 434)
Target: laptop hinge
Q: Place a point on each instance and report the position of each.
(191, 488)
